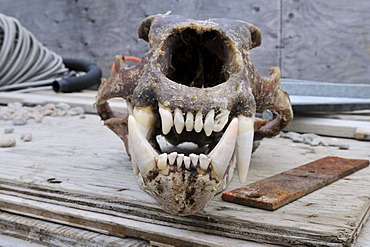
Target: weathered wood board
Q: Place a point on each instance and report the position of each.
(75, 172)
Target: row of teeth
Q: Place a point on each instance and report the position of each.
(190, 122)
(238, 138)
(193, 160)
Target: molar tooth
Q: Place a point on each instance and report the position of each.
(187, 162)
(179, 121)
(244, 145)
(221, 120)
(145, 118)
(172, 157)
(162, 161)
(198, 124)
(222, 153)
(189, 123)
(179, 159)
(142, 153)
(209, 122)
(166, 117)
(194, 159)
(204, 161)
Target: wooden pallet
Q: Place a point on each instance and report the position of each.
(75, 172)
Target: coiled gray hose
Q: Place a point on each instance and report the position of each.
(23, 59)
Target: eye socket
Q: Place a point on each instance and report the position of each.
(196, 59)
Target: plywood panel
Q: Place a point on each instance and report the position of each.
(98, 30)
(326, 40)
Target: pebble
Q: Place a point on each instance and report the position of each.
(8, 130)
(19, 121)
(78, 110)
(7, 142)
(26, 137)
(63, 106)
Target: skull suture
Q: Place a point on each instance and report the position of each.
(196, 84)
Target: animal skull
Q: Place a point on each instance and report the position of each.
(196, 84)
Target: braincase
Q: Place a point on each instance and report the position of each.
(156, 28)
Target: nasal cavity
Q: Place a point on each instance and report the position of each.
(196, 59)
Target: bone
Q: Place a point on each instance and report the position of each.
(145, 118)
(222, 153)
(187, 162)
(179, 121)
(162, 161)
(221, 120)
(194, 159)
(179, 159)
(204, 161)
(142, 153)
(198, 124)
(172, 157)
(244, 145)
(189, 122)
(166, 118)
(209, 122)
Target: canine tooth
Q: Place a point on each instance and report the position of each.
(244, 145)
(209, 122)
(198, 123)
(221, 120)
(162, 161)
(142, 153)
(187, 162)
(204, 161)
(222, 153)
(145, 118)
(172, 157)
(179, 159)
(189, 122)
(194, 159)
(179, 121)
(166, 118)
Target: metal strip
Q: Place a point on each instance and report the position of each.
(276, 191)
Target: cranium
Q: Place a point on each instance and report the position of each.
(196, 84)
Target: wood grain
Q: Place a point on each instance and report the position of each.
(326, 40)
(79, 175)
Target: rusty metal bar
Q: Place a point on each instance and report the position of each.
(276, 191)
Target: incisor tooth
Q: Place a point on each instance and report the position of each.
(222, 153)
(179, 121)
(172, 157)
(221, 120)
(194, 159)
(187, 162)
(179, 159)
(209, 122)
(145, 118)
(198, 123)
(142, 153)
(189, 122)
(204, 161)
(244, 145)
(166, 118)
(162, 161)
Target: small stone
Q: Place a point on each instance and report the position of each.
(48, 112)
(78, 110)
(8, 130)
(63, 106)
(15, 105)
(8, 142)
(61, 112)
(343, 146)
(26, 137)
(19, 121)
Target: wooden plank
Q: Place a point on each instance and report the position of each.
(96, 184)
(52, 234)
(317, 48)
(331, 127)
